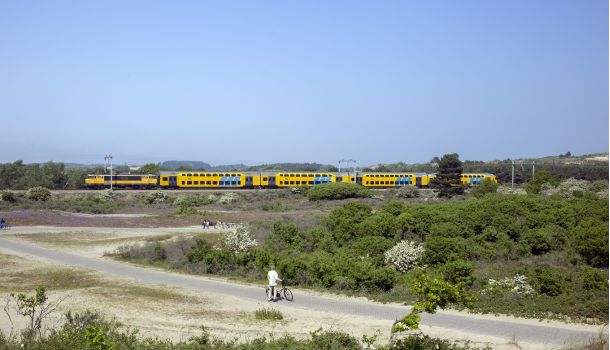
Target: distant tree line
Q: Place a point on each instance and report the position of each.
(19, 176)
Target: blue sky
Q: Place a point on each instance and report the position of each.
(314, 81)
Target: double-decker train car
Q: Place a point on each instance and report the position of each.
(237, 180)
(121, 181)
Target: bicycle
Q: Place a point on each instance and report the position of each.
(5, 226)
(283, 289)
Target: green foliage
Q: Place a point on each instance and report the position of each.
(458, 272)
(156, 197)
(590, 241)
(486, 187)
(448, 178)
(7, 196)
(32, 307)
(540, 241)
(542, 177)
(149, 168)
(337, 190)
(594, 279)
(423, 342)
(431, 294)
(546, 280)
(268, 314)
(38, 194)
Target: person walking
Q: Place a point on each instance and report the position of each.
(272, 278)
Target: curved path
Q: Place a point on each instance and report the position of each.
(547, 335)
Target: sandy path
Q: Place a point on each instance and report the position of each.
(485, 329)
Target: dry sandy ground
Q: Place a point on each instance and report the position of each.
(166, 312)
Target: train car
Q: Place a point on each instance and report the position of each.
(284, 180)
(351, 179)
(94, 181)
(202, 179)
(380, 180)
(477, 179)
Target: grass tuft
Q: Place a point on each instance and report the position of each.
(268, 314)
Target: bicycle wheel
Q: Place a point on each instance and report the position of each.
(287, 294)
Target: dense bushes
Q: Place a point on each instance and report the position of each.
(338, 190)
(556, 248)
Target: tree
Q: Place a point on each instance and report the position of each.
(150, 168)
(431, 294)
(448, 179)
(435, 160)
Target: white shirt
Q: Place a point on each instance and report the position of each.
(272, 277)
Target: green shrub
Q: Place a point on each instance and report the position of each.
(7, 196)
(547, 281)
(593, 279)
(268, 314)
(458, 272)
(338, 190)
(156, 197)
(540, 241)
(424, 342)
(590, 240)
(486, 187)
(333, 340)
(105, 196)
(38, 194)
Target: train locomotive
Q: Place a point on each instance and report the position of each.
(249, 180)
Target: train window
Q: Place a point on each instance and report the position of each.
(195, 174)
(292, 182)
(281, 182)
(297, 182)
(311, 182)
(208, 182)
(233, 182)
(183, 182)
(164, 179)
(189, 182)
(265, 178)
(215, 182)
(221, 183)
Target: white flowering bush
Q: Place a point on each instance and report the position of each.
(516, 285)
(105, 195)
(38, 193)
(156, 197)
(567, 188)
(228, 198)
(239, 240)
(404, 255)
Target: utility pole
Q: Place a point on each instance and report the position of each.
(512, 178)
(533, 169)
(108, 159)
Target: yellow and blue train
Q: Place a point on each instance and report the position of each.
(237, 180)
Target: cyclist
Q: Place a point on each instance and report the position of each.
(272, 278)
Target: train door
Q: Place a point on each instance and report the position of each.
(172, 181)
(418, 181)
(359, 180)
(249, 182)
(272, 181)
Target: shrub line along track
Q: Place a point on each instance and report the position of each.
(547, 335)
